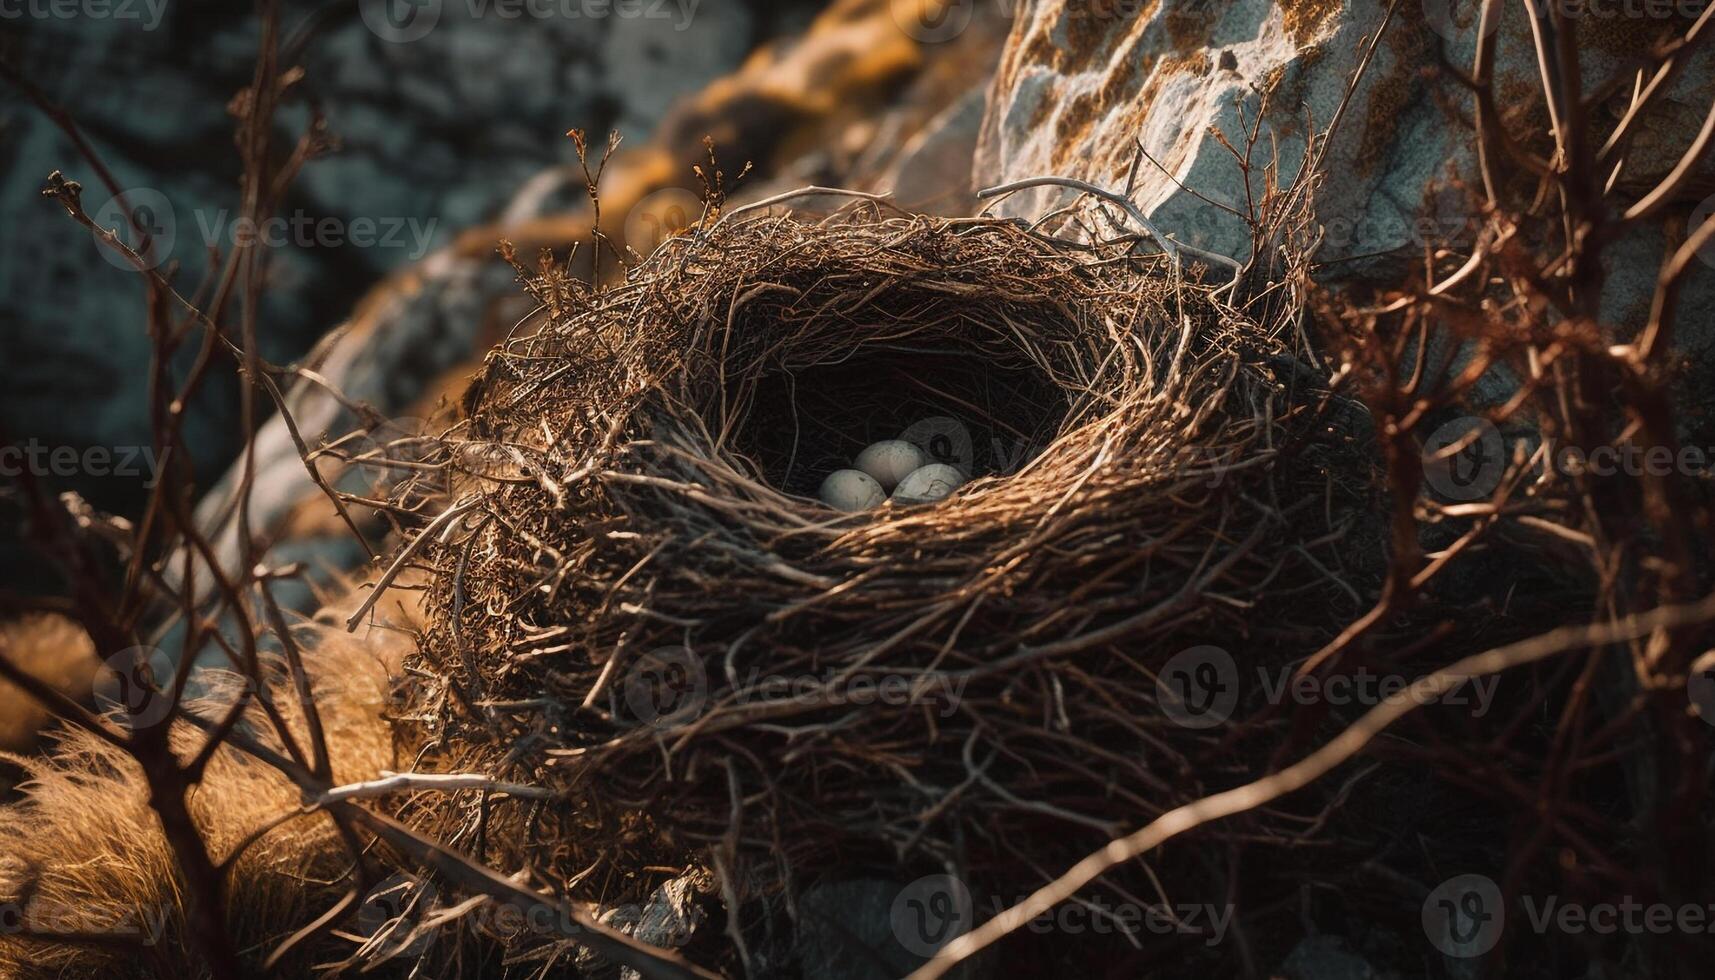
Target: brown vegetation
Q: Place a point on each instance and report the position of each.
(89, 881)
(52, 649)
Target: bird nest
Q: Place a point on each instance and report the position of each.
(638, 601)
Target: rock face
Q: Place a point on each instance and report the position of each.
(454, 138)
(1083, 81)
(1329, 958)
(436, 134)
(852, 100)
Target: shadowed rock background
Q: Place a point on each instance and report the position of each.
(444, 145)
(434, 137)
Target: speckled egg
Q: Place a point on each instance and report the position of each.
(890, 461)
(851, 491)
(928, 483)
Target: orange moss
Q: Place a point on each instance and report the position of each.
(1305, 19)
(1390, 94)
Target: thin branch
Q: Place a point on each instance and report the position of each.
(445, 782)
(1349, 743)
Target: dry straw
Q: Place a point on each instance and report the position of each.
(635, 604)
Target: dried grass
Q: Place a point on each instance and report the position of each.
(53, 649)
(106, 869)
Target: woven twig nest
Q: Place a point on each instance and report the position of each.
(643, 605)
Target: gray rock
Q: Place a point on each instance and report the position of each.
(1078, 84)
(933, 169)
(668, 919)
(1330, 958)
(435, 135)
(845, 931)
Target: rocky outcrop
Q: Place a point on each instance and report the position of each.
(436, 134)
(1083, 82)
(852, 100)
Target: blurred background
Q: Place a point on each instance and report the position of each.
(443, 135)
